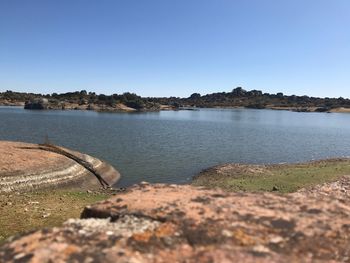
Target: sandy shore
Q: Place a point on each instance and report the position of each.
(341, 110)
(310, 109)
(24, 167)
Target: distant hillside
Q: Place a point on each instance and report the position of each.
(237, 98)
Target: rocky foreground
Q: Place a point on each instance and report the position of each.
(172, 223)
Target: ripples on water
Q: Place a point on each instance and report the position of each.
(172, 146)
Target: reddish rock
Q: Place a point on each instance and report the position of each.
(170, 223)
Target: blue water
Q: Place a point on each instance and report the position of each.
(172, 146)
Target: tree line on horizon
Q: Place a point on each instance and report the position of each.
(237, 97)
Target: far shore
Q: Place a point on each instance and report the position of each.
(121, 108)
(294, 109)
(311, 109)
(340, 110)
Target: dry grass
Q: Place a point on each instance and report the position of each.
(281, 178)
(22, 212)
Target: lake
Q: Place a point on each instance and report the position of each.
(172, 146)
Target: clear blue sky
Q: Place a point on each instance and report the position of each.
(176, 47)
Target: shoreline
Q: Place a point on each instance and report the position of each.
(284, 178)
(121, 108)
(293, 109)
(41, 188)
(22, 169)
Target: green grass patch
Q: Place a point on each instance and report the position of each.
(281, 178)
(23, 212)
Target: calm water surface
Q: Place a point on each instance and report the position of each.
(172, 146)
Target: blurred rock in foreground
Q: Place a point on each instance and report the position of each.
(170, 223)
